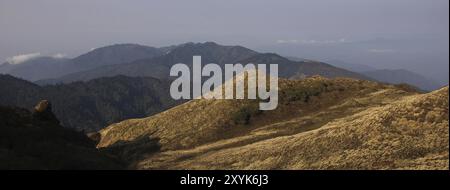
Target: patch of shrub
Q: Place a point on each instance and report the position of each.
(243, 115)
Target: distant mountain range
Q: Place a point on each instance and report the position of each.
(50, 67)
(37, 68)
(333, 118)
(393, 76)
(403, 76)
(138, 75)
(211, 52)
(144, 61)
(360, 68)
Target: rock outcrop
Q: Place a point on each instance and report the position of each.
(43, 112)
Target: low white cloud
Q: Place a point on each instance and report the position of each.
(312, 41)
(18, 59)
(381, 51)
(59, 56)
(287, 41)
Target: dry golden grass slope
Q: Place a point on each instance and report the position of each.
(319, 124)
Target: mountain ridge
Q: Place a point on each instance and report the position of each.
(238, 136)
(211, 52)
(397, 76)
(44, 67)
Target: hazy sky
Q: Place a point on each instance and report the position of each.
(75, 26)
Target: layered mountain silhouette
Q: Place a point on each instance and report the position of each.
(90, 106)
(50, 67)
(403, 76)
(35, 140)
(211, 52)
(319, 124)
(360, 68)
(37, 68)
(116, 54)
(393, 76)
(137, 60)
(302, 69)
(327, 117)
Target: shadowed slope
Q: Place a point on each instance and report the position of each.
(92, 105)
(37, 141)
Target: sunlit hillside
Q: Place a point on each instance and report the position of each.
(319, 124)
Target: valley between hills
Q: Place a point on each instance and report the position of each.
(110, 109)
